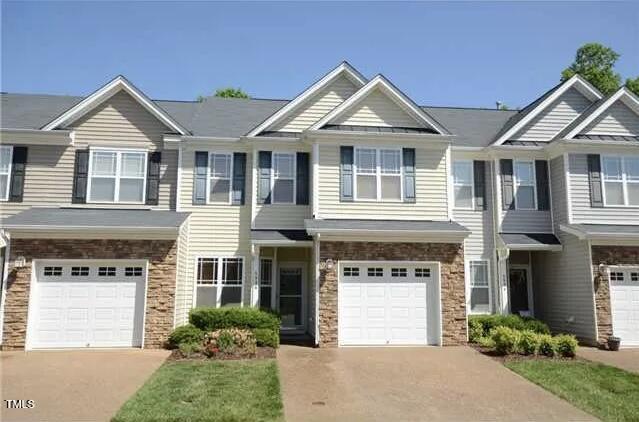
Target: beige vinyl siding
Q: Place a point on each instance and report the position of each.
(376, 109)
(618, 119)
(431, 187)
(316, 107)
(582, 211)
(183, 295)
(554, 118)
(526, 221)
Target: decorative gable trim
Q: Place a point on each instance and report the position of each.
(343, 68)
(120, 83)
(577, 81)
(394, 94)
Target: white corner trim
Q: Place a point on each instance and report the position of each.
(315, 176)
(343, 67)
(566, 159)
(450, 201)
(254, 187)
(106, 92)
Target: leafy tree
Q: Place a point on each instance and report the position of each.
(231, 93)
(633, 85)
(595, 63)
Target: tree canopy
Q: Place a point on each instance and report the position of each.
(226, 93)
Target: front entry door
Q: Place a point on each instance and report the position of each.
(519, 291)
(291, 297)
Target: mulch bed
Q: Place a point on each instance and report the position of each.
(516, 357)
(261, 353)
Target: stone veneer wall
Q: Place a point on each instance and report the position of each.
(160, 300)
(453, 288)
(608, 255)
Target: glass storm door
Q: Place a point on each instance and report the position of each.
(518, 284)
(291, 298)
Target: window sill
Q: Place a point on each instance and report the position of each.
(126, 205)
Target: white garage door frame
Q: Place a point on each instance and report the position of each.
(32, 308)
(626, 269)
(439, 334)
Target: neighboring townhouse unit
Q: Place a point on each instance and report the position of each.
(361, 217)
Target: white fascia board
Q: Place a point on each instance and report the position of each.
(106, 92)
(280, 139)
(576, 81)
(343, 67)
(341, 136)
(301, 243)
(598, 236)
(9, 228)
(36, 137)
(553, 248)
(408, 234)
(393, 93)
(622, 94)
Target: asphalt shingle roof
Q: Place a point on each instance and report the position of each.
(384, 225)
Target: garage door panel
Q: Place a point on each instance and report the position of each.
(624, 298)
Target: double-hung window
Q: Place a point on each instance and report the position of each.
(479, 287)
(378, 174)
(220, 171)
(283, 184)
(463, 184)
(525, 185)
(6, 156)
(219, 281)
(117, 176)
(621, 180)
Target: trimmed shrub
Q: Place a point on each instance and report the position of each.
(486, 342)
(475, 330)
(528, 342)
(211, 319)
(230, 341)
(186, 334)
(267, 337)
(506, 340)
(536, 326)
(189, 349)
(547, 345)
(566, 345)
(489, 322)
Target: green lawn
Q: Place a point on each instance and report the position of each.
(208, 391)
(606, 392)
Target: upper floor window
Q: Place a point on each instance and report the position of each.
(621, 180)
(378, 174)
(525, 185)
(283, 184)
(463, 184)
(220, 170)
(117, 176)
(6, 155)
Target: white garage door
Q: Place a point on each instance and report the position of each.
(384, 303)
(87, 304)
(624, 298)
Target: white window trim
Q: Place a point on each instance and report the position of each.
(472, 185)
(208, 178)
(624, 181)
(294, 177)
(117, 176)
(516, 184)
(378, 174)
(469, 263)
(4, 196)
(272, 286)
(218, 278)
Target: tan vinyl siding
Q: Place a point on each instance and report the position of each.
(376, 109)
(431, 186)
(183, 294)
(525, 221)
(554, 118)
(582, 212)
(316, 107)
(281, 216)
(616, 120)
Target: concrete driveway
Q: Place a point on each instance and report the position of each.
(410, 384)
(627, 359)
(79, 385)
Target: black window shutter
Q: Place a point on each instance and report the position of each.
(479, 176)
(80, 177)
(507, 187)
(264, 174)
(346, 174)
(408, 157)
(543, 192)
(199, 177)
(153, 178)
(594, 179)
(303, 172)
(239, 178)
(18, 170)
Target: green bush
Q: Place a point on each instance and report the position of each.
(566, 345)
(267, 337)
(486, 342)
(506, 340)
(529, 342)
(536, 326)
(482, 325)
(188, 349)
(225, 341)
(547, 345)
(186, 334)
(475, 330)
(211, 319)
(230, 341)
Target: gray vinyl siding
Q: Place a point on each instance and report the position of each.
(376, 109)
(582, 212)
(558, 191)
(618, 119)
(554, 118)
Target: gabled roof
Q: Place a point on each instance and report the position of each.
(120, 83)
(533, 109)
(343, 68)
(394, 94)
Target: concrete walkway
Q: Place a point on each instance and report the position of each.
(86, 385)
(627, 359)
(410, 384)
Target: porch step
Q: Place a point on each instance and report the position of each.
(297, 340)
